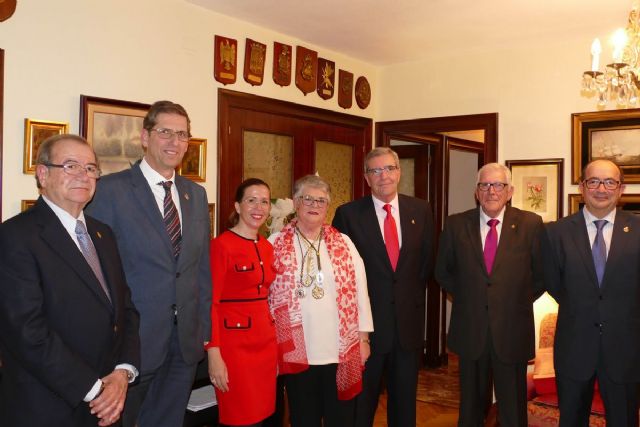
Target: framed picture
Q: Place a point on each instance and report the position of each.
(627, 202)
(194, 162)
(113, 128)
(212, 220)
(26, 204)
(538, 186)
(611, 135)
(36, 131)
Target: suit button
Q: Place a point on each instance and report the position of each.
(177, 275)
(486, 307)
(115, 329)
(600, 298)
(489, 284)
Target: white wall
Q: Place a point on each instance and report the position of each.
(142, 50)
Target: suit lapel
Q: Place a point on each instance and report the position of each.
(147, 204)
(508, 235)
(370, 222)
(623, 234)
(186, 208)
(583, 246)
(473, 233)
(105, 261)
(56, 236)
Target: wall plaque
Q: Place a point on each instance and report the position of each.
(306, 69)
(225, 59)
(363, 92)
(345, 89)
(254, 56)
(281, 64)
(326, 78)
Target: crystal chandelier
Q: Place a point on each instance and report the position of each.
(618, 83)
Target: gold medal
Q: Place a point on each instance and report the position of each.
(317, 292)
(300, 293)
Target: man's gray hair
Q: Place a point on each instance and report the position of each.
(380, 151)
(495, 167)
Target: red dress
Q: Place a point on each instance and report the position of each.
(242, 326)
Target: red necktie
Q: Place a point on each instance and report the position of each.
(491, 244)
(171, 219)
(391, 237)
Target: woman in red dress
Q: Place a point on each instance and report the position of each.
(242, 352)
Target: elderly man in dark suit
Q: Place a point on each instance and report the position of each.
(394, 236)
(161, 222)
(68, 329)
(489, 262)
(592, 269)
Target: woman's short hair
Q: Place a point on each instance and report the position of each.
(313, 181)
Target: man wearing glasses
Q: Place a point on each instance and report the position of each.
(489, 262)
(162, 225)
(592, 269)
(394, 236)
(68, 329)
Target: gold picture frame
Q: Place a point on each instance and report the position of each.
(194, 162)
(538, 186)
(627, 202)
(36, 131)
(26, 204)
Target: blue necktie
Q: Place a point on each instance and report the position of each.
(599, 250)
(90, 254)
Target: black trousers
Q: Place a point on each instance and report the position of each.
(400, 368)
(510, 382)
(313, 399)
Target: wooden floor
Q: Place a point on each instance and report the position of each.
(427, 414)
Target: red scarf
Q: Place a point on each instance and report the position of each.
(285, 306)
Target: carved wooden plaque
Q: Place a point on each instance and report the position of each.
(255, 54)
(225, 59)
(363, 92)
(326, 78)
(345, 89)
(306, 69)
(281, 64)
(7, 7)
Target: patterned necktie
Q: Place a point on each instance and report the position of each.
(491, 244)
(171, 219)
(90, 254)
(599, 250)
(391, 237)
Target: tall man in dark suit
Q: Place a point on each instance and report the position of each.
(161, 222)
(68, 330)
(592, 269)
(489, 261)
(394, 235)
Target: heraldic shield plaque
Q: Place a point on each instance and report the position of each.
(363, 92)
(281, 64)
(345, 89)
(326, 78)
(254, 55)
(225, 59)
(306, 69)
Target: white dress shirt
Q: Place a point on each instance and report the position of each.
(381, 214)
(607, 230)
(153, 179)
(484, 227)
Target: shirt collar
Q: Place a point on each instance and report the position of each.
(152, 176)
(589, 217)
(379, 204)
(67, 220)
(484, 218)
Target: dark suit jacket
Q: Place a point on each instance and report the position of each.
(595, 322)
(397, 298)
(125, 202)
(58, 331)
(502, 301)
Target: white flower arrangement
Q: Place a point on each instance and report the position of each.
(282, 212)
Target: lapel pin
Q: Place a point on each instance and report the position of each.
(99, 235)
(186, 196)
(413, 221)
(626, 229)
(513, 226)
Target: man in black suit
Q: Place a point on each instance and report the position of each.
(68, 329)
(489, 262)
(394, 236)
(592, 269)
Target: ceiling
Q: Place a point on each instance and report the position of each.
(385, 32)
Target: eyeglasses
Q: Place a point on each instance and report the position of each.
(320, 202)
(378, 171)
(497, 186)
(254, 201)
(594, 183)
(164, 133)
(76, 169)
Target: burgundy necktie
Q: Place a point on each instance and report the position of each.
(171, 219)
(491, 244)
(391, 237)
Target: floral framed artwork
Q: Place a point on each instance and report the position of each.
(26, 204)
(627, 202)
(212, 220)
(194, 162)
(611, 135)
(36, 131)
(113, 128)
(538, 186)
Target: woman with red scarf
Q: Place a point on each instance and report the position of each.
(321, 307)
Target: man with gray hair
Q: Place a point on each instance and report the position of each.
(394, 236)
(489, 261)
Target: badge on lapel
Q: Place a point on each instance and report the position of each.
(186, 196)
(626, 229)
(99, 235)
(413, 221)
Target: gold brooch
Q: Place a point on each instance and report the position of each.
(186, 196)
(99, 235)
(413, 221)
(626, 229)
(513, 226)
